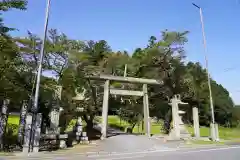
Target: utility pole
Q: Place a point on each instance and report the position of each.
(207, 69)
(39, 72)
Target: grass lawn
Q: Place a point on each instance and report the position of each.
(224, 133)
(115, 121)
(12, 119)
(201, 142)
(204, 131)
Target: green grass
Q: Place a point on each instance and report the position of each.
(224, 133)
(12, 119)
(229, 133)
(155, 128)
(6, 154)
(116, 122)
(201, 142)
(204, 131)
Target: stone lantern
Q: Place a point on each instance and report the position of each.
(78, 128)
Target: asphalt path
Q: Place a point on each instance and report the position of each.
(213, 153)
(224, 153)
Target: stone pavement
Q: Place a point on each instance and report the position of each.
(121, 144)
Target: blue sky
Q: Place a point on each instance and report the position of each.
(127, 24)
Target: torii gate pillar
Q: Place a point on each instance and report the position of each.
(105, 110)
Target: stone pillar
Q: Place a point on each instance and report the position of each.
(84, 138)
(196, 122)
(34, 110)
(22, 122)
(3, 121)
(55, 112)
(54, 120)
(27, 135)
(175, 118)
(37, 133)
(79, 129)
(147, 121)
(105, 109)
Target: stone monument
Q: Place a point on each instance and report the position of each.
(3, 121)
(80, 135)
(55, 112)
(183, 130)
(178, 131)
(27, 134)
(54, 121)
(22, 121)
(37, 133)
(79, 129)
(196, 123)
(84, 138)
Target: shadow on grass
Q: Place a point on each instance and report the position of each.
(123, 130)
(118, 127)
(93, 134)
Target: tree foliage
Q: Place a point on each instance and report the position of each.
(6, 5)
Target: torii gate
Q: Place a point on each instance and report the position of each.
(108, 90)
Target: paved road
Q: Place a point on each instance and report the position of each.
(218, 153)
(226, 153)
(118, 141)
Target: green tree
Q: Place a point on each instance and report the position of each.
(71, 61)
(10, 60)
(6, 5)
